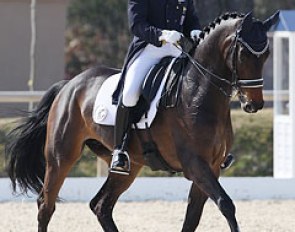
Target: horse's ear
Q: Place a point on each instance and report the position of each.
(272, 20)
(247, 22)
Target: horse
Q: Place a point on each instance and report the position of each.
(193, 137)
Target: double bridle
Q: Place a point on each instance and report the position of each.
(235, 83)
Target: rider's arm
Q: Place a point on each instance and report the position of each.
(191, 21)
(137, 15)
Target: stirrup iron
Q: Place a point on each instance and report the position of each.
(229, 160)
(120, 163)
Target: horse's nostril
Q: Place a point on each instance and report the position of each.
(248, 107)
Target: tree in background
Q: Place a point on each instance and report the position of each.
(210, 9)
(97, 32)
(265, 8)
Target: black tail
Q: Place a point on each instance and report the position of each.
(25, 149)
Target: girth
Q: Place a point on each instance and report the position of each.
(153, 81)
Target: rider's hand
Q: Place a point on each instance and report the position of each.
(170, 36)
(195, 34)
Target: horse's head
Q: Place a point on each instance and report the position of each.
(248, 49)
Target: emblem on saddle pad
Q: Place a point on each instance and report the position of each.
(101, 112)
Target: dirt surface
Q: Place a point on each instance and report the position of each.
(253, 216)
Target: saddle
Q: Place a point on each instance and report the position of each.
(153, 81)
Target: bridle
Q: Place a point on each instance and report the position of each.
(235, 83)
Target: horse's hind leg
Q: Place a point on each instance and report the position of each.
(61, 153)
(196, 201)
(201, 174)
(103, 203)
(56, 172)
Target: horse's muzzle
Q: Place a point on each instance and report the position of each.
(252, 107)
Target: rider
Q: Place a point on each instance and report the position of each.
(156, 26)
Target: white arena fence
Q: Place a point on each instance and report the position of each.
(35, 96)
(165, 188)
(20, 96)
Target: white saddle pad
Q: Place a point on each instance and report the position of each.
(104, 112)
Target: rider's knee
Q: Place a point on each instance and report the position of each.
(129, 100)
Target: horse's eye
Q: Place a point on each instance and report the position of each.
(244, 53)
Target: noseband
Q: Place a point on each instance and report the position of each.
(235, 83)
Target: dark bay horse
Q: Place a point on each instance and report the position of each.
(193, 137)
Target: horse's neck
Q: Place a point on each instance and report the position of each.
(210, 51)
(201, 106)
(202, 91)
(199, 96)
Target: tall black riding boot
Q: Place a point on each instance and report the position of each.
(120, 161)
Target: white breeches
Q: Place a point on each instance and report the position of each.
(137, 71)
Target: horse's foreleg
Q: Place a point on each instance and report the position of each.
(196, 201)
(202, 175)
(103, 203)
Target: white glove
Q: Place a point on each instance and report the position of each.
(170, 36)
(195, 34)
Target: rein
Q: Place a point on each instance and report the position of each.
(235, 82)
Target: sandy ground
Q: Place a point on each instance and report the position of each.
(154, 216)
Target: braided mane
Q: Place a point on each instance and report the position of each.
(206, 30)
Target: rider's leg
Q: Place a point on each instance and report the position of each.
(137, 71)
(120, 161)
(132, 88)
